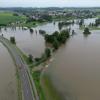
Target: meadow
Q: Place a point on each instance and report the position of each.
(8, 17)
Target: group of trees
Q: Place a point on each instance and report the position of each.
(46, 17)
(61, 24)
(31, 30)
(97, 22)
(81, 22)
(45, 56)
(42, 32)
(57, 38)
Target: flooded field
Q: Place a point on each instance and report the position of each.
(75, 70)
(8, 82)
(30, 43)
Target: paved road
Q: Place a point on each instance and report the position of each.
(26, 78)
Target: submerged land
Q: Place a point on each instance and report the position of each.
(54, 51)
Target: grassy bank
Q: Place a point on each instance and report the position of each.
(19, 86)
(36, 77)
(49, 90)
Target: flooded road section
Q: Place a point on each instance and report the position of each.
(8, 81)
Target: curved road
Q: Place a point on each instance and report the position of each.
(28, 86)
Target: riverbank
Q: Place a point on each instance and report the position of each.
(49, 90)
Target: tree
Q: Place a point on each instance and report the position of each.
(55, 43)
(42, 32)
(63, 36)
(48, 52)
(12, 40)
(46, 17)
(30, 58)
(31, 30)
(81, 22)
(86, 31)
(73, 32)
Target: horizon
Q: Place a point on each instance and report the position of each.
(53, 7)
(49, 3)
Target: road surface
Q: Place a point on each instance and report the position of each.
(28, 86)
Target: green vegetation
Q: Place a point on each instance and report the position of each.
(48, 52)
(86, 31)
(81, 22)
(36, 77)
(31, 30)
(56, 39)
(50, 91)
(31, 24)
(30, 58)
(19, 85)
(90, 27)
(97, 22)
(63, 18)
(65, 23)
(12, 40)
(42, 32)
(8, 18)
(36, 74)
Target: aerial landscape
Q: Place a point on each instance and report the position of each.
(50, 50)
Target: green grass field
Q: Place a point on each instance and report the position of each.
(8, 17)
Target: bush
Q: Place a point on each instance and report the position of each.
(55, 44)
(12, 40)
(30, 58)
(86, 31)
(31, 30)
(42, 32)
(48, 52)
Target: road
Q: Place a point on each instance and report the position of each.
(28, 87)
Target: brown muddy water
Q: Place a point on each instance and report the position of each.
(8, 82)
(30, 43)
(75, 69)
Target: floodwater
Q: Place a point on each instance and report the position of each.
(30, 43)
(8, 82)
(75, 69)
